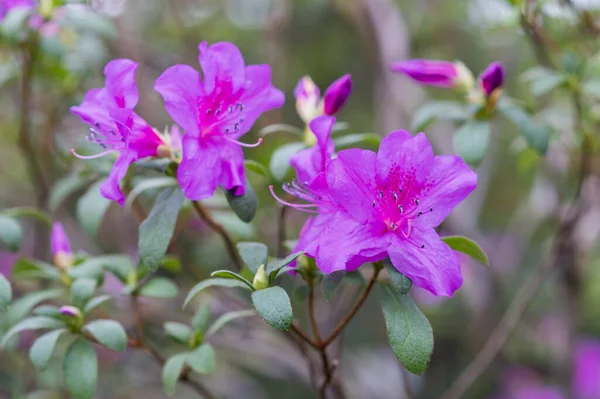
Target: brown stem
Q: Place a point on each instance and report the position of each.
(336, 332)
(311, 313)
(229, 244)
(302, 335)
(281, 231)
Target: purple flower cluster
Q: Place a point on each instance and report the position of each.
(309, 104)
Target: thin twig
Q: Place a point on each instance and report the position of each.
(311, 313)
(354, 310)
(229, 243)
(302, 335)
(281, 231)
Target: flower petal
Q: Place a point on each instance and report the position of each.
(199, 172)
(309, 162)
(403, 157)
(587, 369)
(110, 189)
(232, 167)
(346, 244)
(120, 82)
(223, 66)
(59, 240)
(427, 261)
(182, 89)
(350, 178)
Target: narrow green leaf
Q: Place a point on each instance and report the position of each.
(245, 205)
(43, 347)
(11, 233)
(221, 282)
(256, 167)
(358, 140)
(275, 266)
(89, 268)
(179, 332)
(119, 265)
(471, 141)
(274, 305)
(201, 318)
(95, 302)
(226, 318)
(444, 110)
(27, 211)
(159, 287)
(33, 269)
(91, 209)
(280, 160)
(202, 359)
(254, 254)
(110, 333)
(80, 369)
(156, 231)
(5, 292)
(536, 134)
(409, 331)
(330, 283)
(468, 247)
(400, 282)
(81, 291)
(171, 372)
(47, 310)
(23, 305)
(542, 86)
(148, 184)
(232, 275)
(31, 323)
(64, 188)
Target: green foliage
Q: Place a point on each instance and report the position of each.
(536, 134)
(226, 318)
(156, 231)
(212, 282)
(471, 141)
(81, 291)
(178, 332)
(171, 372)
(361, 140)
(201, 318)
(274, 306)
(409, 332)
(109, 333)
(91, 209)
(80, 369)
(245, 205)
(202, 359)
(280, 160)
(253, 254)
(95, 302)
(277, 267)
(399, 281)
(23, 305)
(5, 292)
(33, 269)
(232, 275)
(159, 287)
(330, 283)
(10, 233)
(31, 323)
(468, 247)
(43, 347)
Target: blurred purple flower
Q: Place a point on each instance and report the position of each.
(336, 95)
(309, 162)
(7, 5)
(373, 206)
(308, 98)
(70, 311)
(492, 78)
(114, 125)
(428, 72)
(215, 113)
(586, 373)
(522, 383)
(61, 247)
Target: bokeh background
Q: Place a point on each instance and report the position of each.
(512, 213)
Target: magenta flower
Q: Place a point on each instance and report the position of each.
(492, 78)
(215, 112)
(7, 5)
(436, 73)
(61, 247)
(586, 373)
(309, 162)
(115, 127)
(372, 206)
(336, 95)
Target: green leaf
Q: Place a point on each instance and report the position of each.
(254, 254)
(245, 205)
(26, 211)
(64, 188)
(148, 184)
(31, 323)
(95, 302)
(592, 88)
(119, 265)
(5, 292)
(43, 347)
(201, 318)
(226, 318)
(110, 333)
(256, 167)
(444, 110)
(468, 247)
(330, 283)
(542, 86)
(80, 369)
(159, 287)
(179, 332)
(274, 305)
(156, 231)
(171, 372)
(399, 281)
(360, 140)
(276, 128)
(471, 141)
(279, 164)
(409, 331)
(232, 275)
(537, 135)
(275, 268)
(232, 223)
(81, 291)
(11, 233)
(23, 305)
(202, 359)
(34, 269)
(89, 21)
(47, 310)
(91, 209)
(89, 268)
(211, 282)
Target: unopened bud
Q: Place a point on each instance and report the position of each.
(336, 95)
(308, 97)
(261, 280)
(70, 311)
(61, 247)
(492, 78)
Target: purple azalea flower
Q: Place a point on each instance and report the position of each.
(492, 78)
(215, 112)
(436, 73)
(7, 5)
(115, 127)
(371, 206)
(336, 95)
(586, 373)
(309, 162)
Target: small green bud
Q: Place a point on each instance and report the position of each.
(261, 280)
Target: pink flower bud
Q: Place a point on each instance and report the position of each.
(336, 95)
(436, 73)
(61, 248)
(70, 311)
(307, 99)
(492, 78)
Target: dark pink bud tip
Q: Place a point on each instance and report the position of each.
(492, 78)
(336, 95)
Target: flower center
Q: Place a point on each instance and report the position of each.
(397, 208)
